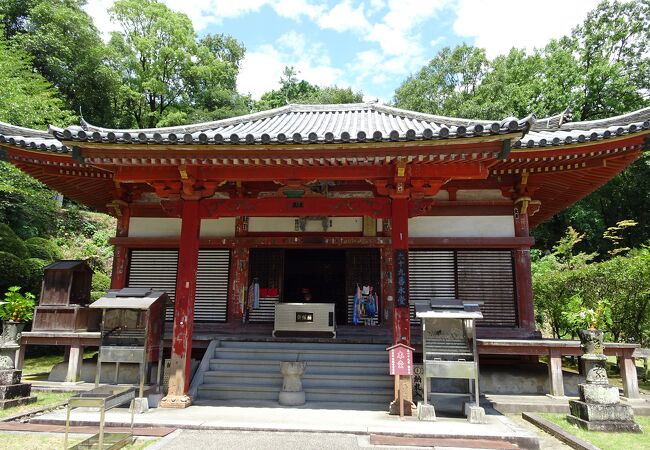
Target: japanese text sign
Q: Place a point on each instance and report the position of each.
(400, 360)
(401, 278)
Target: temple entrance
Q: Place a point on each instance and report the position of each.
(316, 276)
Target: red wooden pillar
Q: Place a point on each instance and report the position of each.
(121, 252)
(188, 259)
(238, 284)
(401, 311)
(523, 277)
(238, 274)
(399, 235)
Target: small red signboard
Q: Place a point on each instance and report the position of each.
(400, 359)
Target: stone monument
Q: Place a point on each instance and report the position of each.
(12, 391)
(599, 407)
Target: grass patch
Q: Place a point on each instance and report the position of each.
(44, 399)
(607, 441)
(38, 441)
(44, 363)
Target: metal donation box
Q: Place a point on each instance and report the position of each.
(132, 330)
(304, 318)
(449, 342)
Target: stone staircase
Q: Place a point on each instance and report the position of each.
(338, 373)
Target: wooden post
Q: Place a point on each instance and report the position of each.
(121, 252)
(75, 360)
(188, 258)
(629, 375)
(401, 314)
(523, 277)
(555, 377)
(399, 234)
(238, 283)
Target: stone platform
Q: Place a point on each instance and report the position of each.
(12, 391)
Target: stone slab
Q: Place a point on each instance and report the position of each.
(605, 425)
(10, 391)
(10, 376)
(139, 405)
(600, 394)
(591, 412)
(474, 413)
(4, 404)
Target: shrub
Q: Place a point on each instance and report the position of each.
(17, 307)
(34, 269)
(11, 243)
(38, 251)
(48, 244)
(101, 282)
(13, 271)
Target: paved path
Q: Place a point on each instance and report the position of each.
(265, 440)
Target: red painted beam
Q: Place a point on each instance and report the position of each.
(399, 234)
(290, 207)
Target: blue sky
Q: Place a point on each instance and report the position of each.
(368, 45)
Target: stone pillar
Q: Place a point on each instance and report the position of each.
(188, 258)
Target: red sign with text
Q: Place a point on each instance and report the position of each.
(400, 359)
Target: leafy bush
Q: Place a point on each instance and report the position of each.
(13, 271)
(48, 244)
(101, 282)
(38, 251)
(34, 269)
(11, 243)
(17, 307)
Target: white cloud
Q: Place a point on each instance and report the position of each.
(343, 17)
(97, 10)
(263, 66)
(511, 23)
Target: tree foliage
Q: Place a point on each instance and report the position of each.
(67, 50)
(164, 71)
(600, 70)
(293, 90)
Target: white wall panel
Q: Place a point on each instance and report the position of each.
(461, 226)
(222, 227)
(154, 227)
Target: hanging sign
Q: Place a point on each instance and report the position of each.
(401, 278)
(400, 359)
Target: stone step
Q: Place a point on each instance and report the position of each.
(254, 392)
(10, 391)
(302, 345)
(302, 355)
(313, 367)
(308, 380)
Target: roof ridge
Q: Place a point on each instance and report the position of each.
(23, 131)
(639, 115)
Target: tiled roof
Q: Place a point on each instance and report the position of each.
(308, 124)
(31, 139)
(557, 131)
(349, 123)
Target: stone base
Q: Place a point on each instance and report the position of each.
(600, 394)
(287, 398)
(10, 376)
(591, 412)
(474, 413)
(4, 404)
(426, 412)
(605, 425)
(10, 391)
(409, 407)
(139, 405)
(177, 402)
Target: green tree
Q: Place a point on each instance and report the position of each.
(26, 98)
(294, 90)
(66, 49)
(447, 84)
(165, 72)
